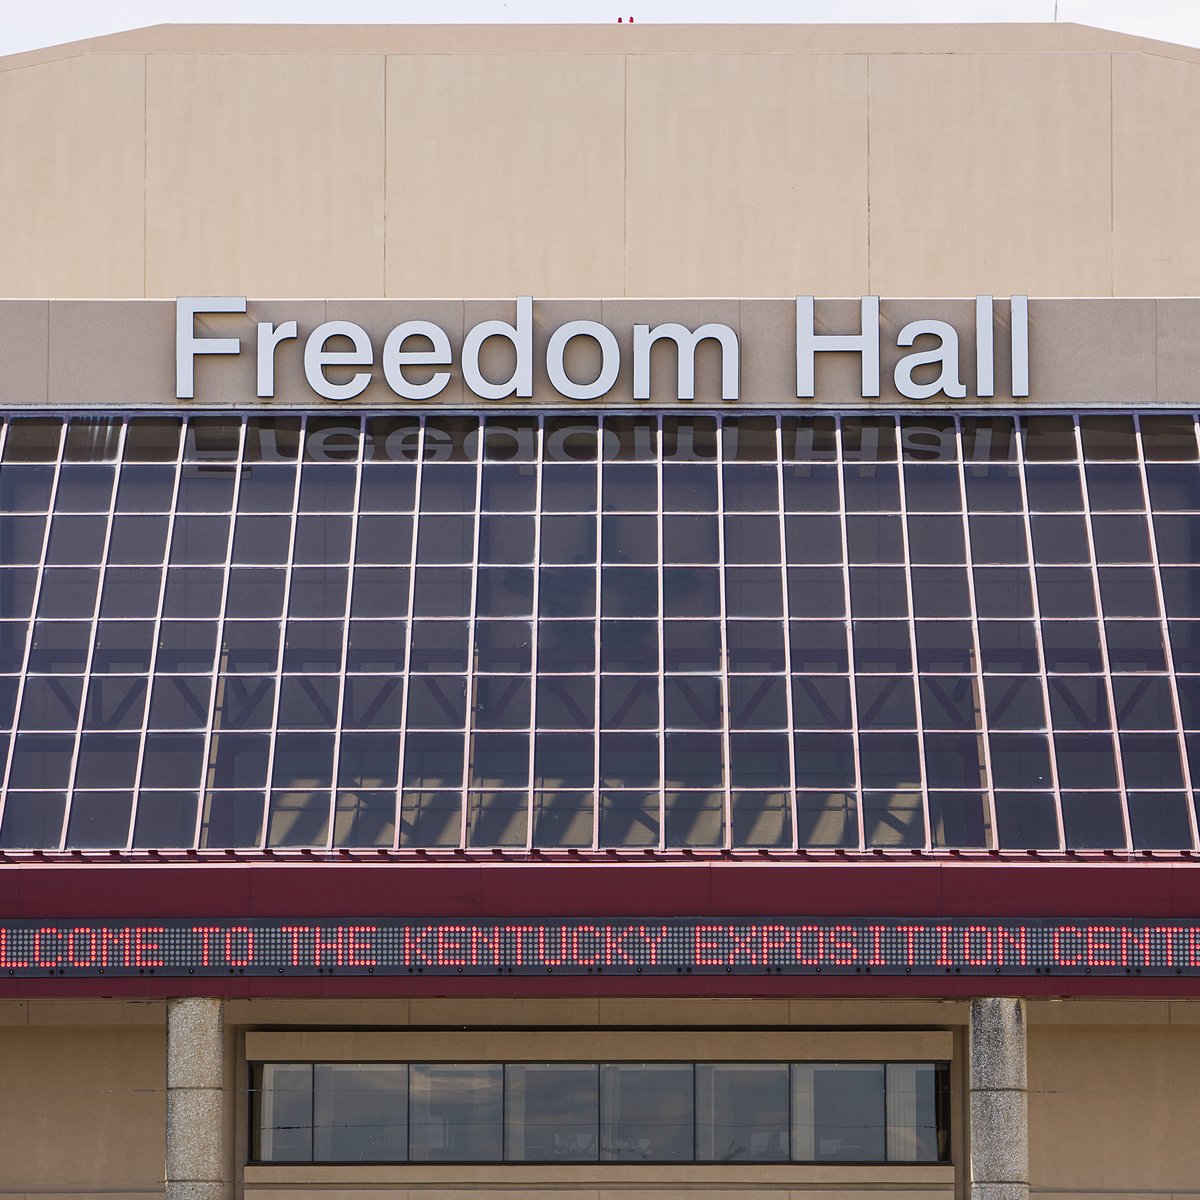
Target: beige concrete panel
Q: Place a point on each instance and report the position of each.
(504, 1012)
(379, 318)
(114, 355)
(990, 173)
(879, 1012)
(104, 1086)
(592, 1045)
(621, 315)
(94, 1011)
(630, 1011)
(505, 175)
(1156, 176)
(14, 1012)
(1100, 1012)
(747, 174)
(315, 1012)
(24, 338)
(1114, 1107)
(72, 204)
(264, 175)
(1090, 353)
(1177, 325)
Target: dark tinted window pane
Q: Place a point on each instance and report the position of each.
(743, 1112)
(551, 1113)
(1108, 438)
(1002, 592)
(988, 439)
(1121, 539)
(1020, 760)
(1053, 488)
(1085, 760)
(1015, 702)
(816, 592)
(1048, 438)
(1168, 437)
(1112, 487)
(994, 489)
(647, 1112)
(810, 489)
(871, 489)
(1151, 760)
(455, 1113)
(1026, 821)
(1093, 821)
(99, 820)
(959, 820)
(1079, 703)
(1159, 820)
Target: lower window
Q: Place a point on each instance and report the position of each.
(812, 1112)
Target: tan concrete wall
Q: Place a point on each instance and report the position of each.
(601, 161)
(1113, 1109)
(82, 1109)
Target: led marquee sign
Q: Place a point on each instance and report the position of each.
(581, 946)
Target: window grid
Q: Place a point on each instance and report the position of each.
(1169, 616)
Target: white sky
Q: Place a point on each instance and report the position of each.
(24, 26)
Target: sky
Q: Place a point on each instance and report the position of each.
(48, 22)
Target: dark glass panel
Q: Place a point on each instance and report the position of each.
(387, 487)
(1072, 647)
(1093, 821)
(17, 587)
(1130, 592)
(826, 819)
(392, 439)
(21, 539)
(759, 760)
(165, 820)
(889, 760)
(32, 820)
(312, 646)
(571, 591)
(1168, 436)
(750, 488)
(816, 591)
(629, 539)
(630, 487)
(1151, 760)
(1014, 702)
(628, 702)
(692, 702)
(136, 540)
(811, 489)
(84, 488)
(187, 646)
(878, 592)
(628, 592)
(568, 488)
(254, 592)
(693, 819)
(1108, 438)
(821, 702)
(630, 646)
(451, 439)
(959, 821)
(443, 539)
(99, 820)
(1026, 821)
(758, 702)
(322, 539)
(689, 439)
(945, 646)
(629, 760)
(934, 540)
(1177, 537)
(375, 646)
(1181, 594)
(327, 489)
(989, 439)
(1059, 539)
(115, 702)
(26, 489)
(1143, 702)
(379, 592)
(181, 702)
(130, 592)
(1114, 487)
(647, 1113)
(1135, 646)
(108, 760)
(364, 818)
(68, 592)
(1159, 820)
(499, 760)
(436, 702)
(568, 539)
(809, 439)
(950, 702)
(1020, 760)
(886, 702)
(689, 487)
(1121, 539)
(1002, 592)
(331, 440)
(570, 439)
(881, 646)
(76, 540)
(1009, 647)
(932, 487)
(742, 1112)
(869, 439)
(267, 488)
(1066, 591)
(172, 760)
(253, 646)
(871, 489)
(430, 819)
(749, 439)
(501, 702)
(761, 820)
(506, 539)
(33, 439)
(197, 541)
(1085, 760)
(893, 819)
(691, 646)
(630, 439)
(994, 489)
(753, 592)
(448, 487)
(810, 539)
(628, 818)
(1048, 439)
(1174, 487)
(442, 592)
(202, 489)
(566, 702)
(565, 646)
(551, 1112)
(755, 645)
(1080, 703)
(59, 647)
(50, 702)
(928, 439)
(308, 703)
(563, 819)
(298, 817)
(564, 760)
(373, 702)
(231, 819)
(504, 592)
(751, 539)
(1053, 488)
(875, 539)
(272, 439)
(242, 702)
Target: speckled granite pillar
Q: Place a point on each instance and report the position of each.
(999, 1105)
(196, 1157)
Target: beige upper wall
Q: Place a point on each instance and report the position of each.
(601, 160)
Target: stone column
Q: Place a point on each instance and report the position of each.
(998, 1101)
(196, 1151)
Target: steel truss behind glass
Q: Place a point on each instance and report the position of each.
(659, 1112)
(569, 631)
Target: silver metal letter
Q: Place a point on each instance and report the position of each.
(396, 359)
(946, 353)
(985, 349)
(685, 345)
(610, 360)
(188, 345)
(317, 358)
(521, 336)
(1020, 345)
(269, 336)
(809, 342)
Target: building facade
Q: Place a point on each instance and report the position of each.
(740, 741)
